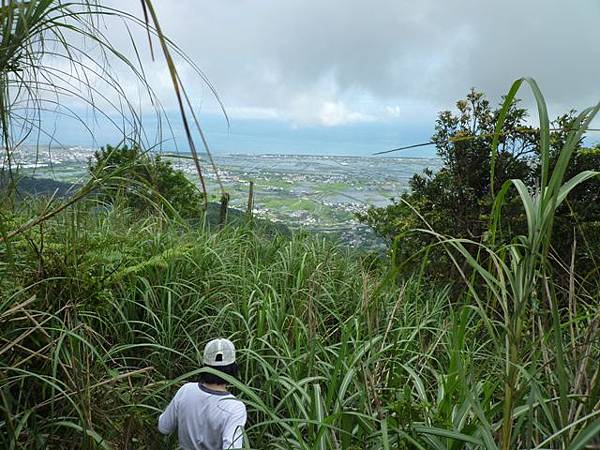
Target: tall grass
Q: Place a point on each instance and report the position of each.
(99, 330)
(529, 325)
(103, 314)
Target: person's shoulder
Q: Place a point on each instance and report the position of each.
(187, 389)
(232, 405)
(187, 386)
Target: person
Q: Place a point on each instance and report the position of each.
(205, 415)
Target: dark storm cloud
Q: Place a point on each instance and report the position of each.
(338, 61)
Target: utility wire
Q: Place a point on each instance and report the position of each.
(462, 138)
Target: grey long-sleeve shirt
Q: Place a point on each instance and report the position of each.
(204, 419)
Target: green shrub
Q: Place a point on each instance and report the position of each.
(457, 199)
(145, 182)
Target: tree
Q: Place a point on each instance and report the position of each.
(456, 200)
(145, 181)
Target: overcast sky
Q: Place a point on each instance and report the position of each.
(327, 65)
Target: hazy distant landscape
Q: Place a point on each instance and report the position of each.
(318, 193)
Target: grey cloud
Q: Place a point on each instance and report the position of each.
(274, 54)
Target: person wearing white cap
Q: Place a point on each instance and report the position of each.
(205, 415)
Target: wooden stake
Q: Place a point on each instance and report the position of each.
(250, 200)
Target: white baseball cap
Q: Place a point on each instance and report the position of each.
(219, 352)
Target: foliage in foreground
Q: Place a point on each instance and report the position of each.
(103, 315)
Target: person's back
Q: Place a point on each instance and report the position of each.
(205, 415)
(205, 419)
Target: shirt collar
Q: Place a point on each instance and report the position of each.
(212, 391)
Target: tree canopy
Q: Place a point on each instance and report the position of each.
(456, 200)
(145, 181)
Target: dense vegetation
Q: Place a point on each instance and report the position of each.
(106, 300)
(144, 182)
(104, 314)
(457, 199)
(105, 311)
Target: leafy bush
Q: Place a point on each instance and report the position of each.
(145, 182)
(456, 200)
